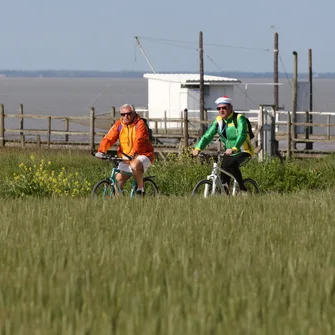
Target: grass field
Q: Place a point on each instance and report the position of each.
(175, 265)
(169, 265)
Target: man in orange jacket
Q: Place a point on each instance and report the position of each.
(133, 136)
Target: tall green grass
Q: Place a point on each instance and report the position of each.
(175, 176)
(172, 265)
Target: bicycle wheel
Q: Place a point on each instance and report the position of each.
(150, 187)
(251, 186)
(204, 189)
(103, 189)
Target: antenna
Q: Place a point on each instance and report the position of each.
(144, 55)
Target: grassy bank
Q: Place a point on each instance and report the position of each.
(174, 265)
(74, 173)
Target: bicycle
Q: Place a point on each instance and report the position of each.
(109, 187)
(213, 184)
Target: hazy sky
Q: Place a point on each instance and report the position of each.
(99, 34)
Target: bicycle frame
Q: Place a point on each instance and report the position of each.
(111, 183)
(217, 180)
(115, 183)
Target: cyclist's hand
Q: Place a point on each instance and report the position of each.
(127, 157)
(228, 152)
(99, 155)
(195, 152)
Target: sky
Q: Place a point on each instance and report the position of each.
(100, 35)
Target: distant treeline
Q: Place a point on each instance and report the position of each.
(139, 74)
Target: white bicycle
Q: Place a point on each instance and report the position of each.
(213, 184)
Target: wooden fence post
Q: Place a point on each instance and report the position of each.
(260, 136)
(2, 125)
(22, 140)
(219, 145)
(307, 130)
(21, 126)
(113, 115)
(67, 127)
(92, 119)
(289, 153)
(49, 131)
(185, 128)
(38, 141)
(206, 119)
(294, 98)
(328, 127)
(165, 124)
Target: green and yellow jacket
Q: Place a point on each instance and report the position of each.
(233, 138)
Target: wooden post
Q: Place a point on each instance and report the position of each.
(185, 128)
(92, 130)
(294, 98)
(38, 141)
(67, 127)
(306, 128)
(288, 154)
(219, 145)
(275, 73)
(49, 131)
(113, 115)
(206, 119)
(22, 140)
(260, 133)
(156, 127)
(201, 86)
(21, 126)
(181, 123)
(309, 145)
(165, 123)
(2, 125)
(328, 127)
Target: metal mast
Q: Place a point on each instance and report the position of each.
(144, 55)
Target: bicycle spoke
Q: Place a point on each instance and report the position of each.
(103, 190)
(204, 189)
(150, 187)
(251, 186)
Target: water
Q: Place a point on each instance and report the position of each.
(75, 96)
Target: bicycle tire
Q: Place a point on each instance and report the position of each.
(150, 187)
(200, 191)
(251, 186)
(103, 189)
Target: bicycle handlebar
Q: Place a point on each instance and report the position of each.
(113, 158)
(216, 155)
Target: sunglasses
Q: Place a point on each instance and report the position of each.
(126, 114)
(222, 108)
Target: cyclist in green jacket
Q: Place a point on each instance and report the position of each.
(238, 147)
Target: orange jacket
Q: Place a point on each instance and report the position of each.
(133, 139)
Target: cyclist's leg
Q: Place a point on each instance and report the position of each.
(232, 164)
(139, 166)
(226, 162)
(124, 175)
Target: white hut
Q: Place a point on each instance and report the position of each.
(171, 93)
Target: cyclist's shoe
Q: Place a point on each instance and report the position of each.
(140, 193)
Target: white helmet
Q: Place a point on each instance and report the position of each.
(223, 100)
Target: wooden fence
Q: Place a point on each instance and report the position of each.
(168, 138)
(161, 131)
